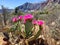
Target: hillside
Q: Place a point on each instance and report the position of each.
(53, 18)
(37, 6)
(31, 6)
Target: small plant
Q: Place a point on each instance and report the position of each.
(29, 22)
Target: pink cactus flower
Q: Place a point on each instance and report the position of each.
(34, 22)
(14, 19)
(20, 17)
(24, 21)
(40, 22)
(28, 17)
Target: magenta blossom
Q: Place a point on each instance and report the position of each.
(40, 22)
(14, 19)
(24, 21)
(34, 22)
(28, 17)
(20, 17)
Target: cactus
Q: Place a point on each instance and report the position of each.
(28, 28)
(40, 23)
(35, 36)
(29, 23)
(38, 33)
